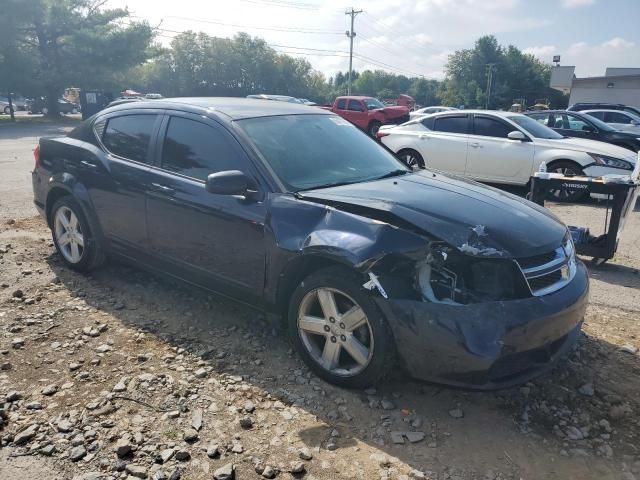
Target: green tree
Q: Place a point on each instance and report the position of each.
(71, 43)
(514, 75)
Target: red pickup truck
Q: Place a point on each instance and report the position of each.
(368, 113)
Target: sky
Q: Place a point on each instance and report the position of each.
(413, 37)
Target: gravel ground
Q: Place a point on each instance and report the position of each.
(122, 374)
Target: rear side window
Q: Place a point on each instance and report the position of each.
(489, 127)
(195, 149)
(129, 136)
(542, 118)
(598, 115)
(342, 104)
(451, 124)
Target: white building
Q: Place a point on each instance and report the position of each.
(618, 85)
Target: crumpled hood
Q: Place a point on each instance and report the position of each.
(448, 208)
(585, 145)
(394, 111)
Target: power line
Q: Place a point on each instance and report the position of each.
(256, 27)
(283, 4)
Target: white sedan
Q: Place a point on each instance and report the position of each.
(618, 119)
(421, 112)
(500, 147)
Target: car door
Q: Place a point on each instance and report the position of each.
(444, 146)
(356, 113)
(493, 157)
(116, 180)
(218, 240)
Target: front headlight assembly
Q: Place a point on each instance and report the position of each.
(607, 161)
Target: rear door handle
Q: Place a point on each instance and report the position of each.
(88, 164)
(475, 145)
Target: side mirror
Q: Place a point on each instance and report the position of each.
(516, 135)
(635, 122)
(229, 182)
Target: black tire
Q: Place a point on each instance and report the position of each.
(382, 358)
(566, 167)
(7, 111)
(92, 255)
(373, 128)
(411, 159)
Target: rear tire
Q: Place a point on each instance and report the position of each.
(411, 159)
(7, 111)
(373, 128)
(566, 167)
(76, 244)
(353, 351)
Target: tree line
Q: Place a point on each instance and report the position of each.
(47, 45)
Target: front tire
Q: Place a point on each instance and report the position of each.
(373, 128)
(566, 167)
(411, 159)
(75, 242)
(338, 329)
(7, 111)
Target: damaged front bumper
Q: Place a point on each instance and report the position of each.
(487, 345)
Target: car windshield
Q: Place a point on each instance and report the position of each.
(317, 151)
(534, 128)
(373, 103)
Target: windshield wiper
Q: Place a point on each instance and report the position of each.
(392, 173)
(327, 185)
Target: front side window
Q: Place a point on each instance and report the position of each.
(355, 106)
(489, 127)
(575, 123)
(615, 117)
(534, 128)
(195, 149)
(598, 115)
(128, 136)
(451, 124)
(317, 151)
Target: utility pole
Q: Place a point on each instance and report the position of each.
(350, 33)
(489, 80)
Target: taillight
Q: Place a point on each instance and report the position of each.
(380, 134)
(36, 155)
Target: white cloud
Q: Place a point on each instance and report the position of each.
(543, 52)
(576, 3)
(618, 42)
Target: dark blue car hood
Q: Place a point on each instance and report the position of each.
(448, 208)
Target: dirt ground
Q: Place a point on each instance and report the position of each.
(123, 374)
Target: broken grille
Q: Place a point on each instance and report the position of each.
(549, 272)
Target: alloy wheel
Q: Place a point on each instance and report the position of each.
(411, 161)
(335, 331)
(564, 194)
(68, 234)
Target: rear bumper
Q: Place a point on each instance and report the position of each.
(39, 193)
(490, 345)
(397, 120)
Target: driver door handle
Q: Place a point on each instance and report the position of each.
(161, 188)
(475, 145)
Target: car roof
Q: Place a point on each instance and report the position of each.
(538, 112)
(231, 107)
(497, 113)
(356, 97)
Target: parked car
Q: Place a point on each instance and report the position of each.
(5, 107)
(618, 119)
(277, 98)
(421, 112)
(293, 210)
(308, 102)
(579, 107)
(581, 125)
(368, 113)
(19, 104)
(39, 105)
(501, 147)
